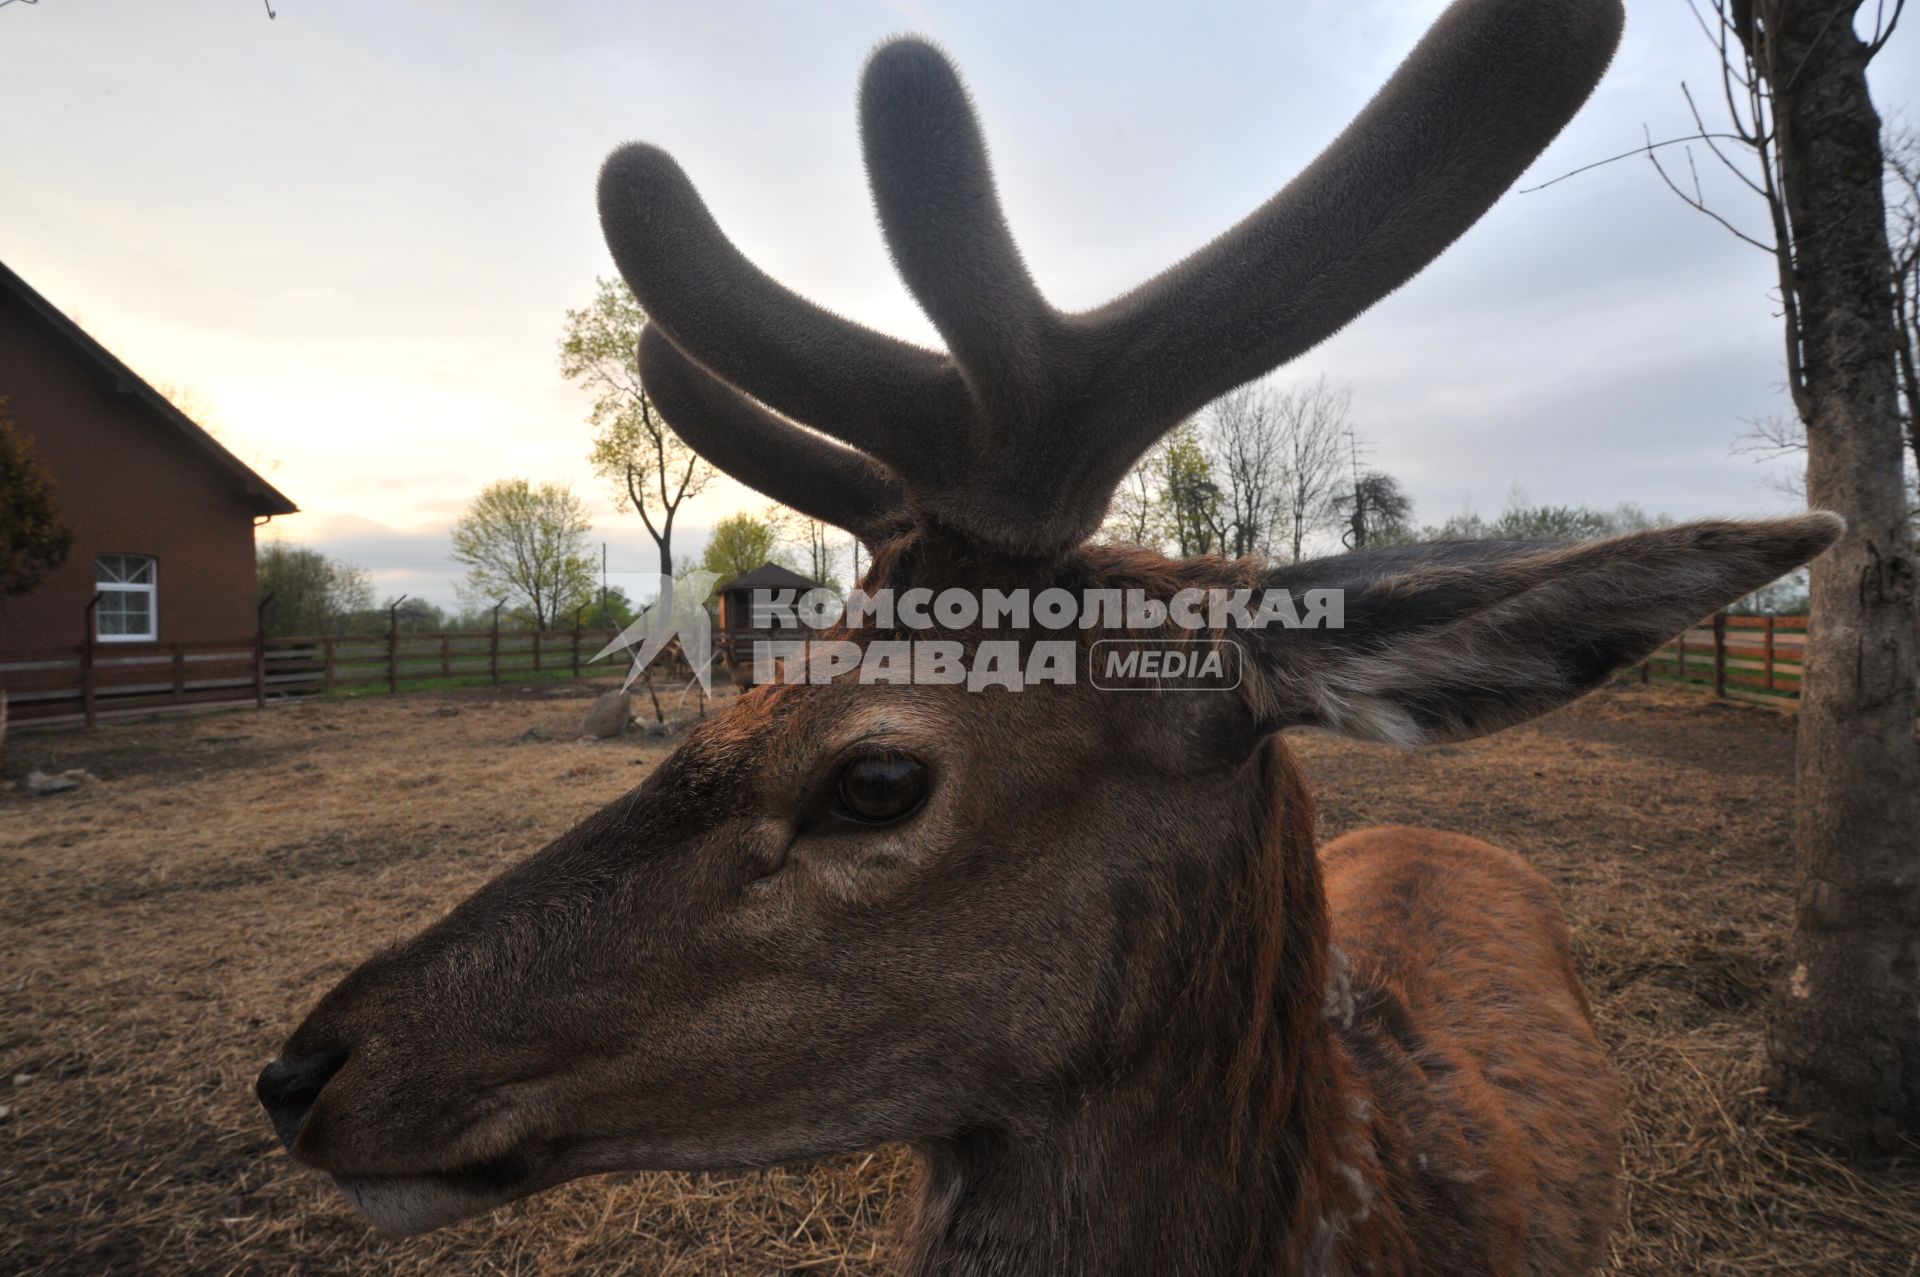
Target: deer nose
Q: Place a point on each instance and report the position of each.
(289, 1085)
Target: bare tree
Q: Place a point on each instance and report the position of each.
(1772, 437)
(814, 542)
(1137, 515)
(1844, 1037)
(1313, 423)
(1903, 187)
(1249, 457)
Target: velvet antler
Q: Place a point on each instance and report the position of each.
(815, 476)
(1018, 437)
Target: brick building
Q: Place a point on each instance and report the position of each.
(163, 517)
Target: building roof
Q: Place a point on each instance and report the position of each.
(264, 497)
(770, 576)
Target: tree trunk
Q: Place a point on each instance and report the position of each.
(1844, 1036)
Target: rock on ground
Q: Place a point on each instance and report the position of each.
(40, 783)
(608, 717)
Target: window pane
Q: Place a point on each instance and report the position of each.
(125, 613)
(115, 569)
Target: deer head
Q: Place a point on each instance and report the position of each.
(1021, 930)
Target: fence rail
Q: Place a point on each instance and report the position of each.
(1745, 657)
(85, 681)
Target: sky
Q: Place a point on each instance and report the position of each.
(353, 230)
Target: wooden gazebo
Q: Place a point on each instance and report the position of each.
(740, 629)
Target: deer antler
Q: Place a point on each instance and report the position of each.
(1018, 438)
(814, 475)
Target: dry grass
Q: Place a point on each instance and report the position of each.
(165, 927)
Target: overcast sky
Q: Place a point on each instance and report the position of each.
(353, 229)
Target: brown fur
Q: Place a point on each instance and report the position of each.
(1098, 978)
(1091, 981)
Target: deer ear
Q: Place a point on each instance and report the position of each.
(1449, 641)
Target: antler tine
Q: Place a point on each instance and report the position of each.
(1018, 440)
(815, 476)
(752, 332)
(933, 189)
(1485, 91)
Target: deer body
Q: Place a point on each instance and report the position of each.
(1073, 946)
(1441, 1106)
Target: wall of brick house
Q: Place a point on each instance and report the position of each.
(126, 483)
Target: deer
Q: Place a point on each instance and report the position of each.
(1078, 949)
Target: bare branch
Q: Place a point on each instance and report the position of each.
(1650, 145)
(1757, 139)
(1699, 205)
(1881, 34)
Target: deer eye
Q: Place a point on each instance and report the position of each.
(878, 789)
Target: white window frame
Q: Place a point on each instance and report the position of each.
(150, 588)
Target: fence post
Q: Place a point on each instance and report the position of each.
(576, 639)
(1767, 658)
(326, 662)
(1646, 672)
(536, 647)
(179, 672)
(260, 653)
(393, 645)
(493, 648)
(446, 656)
(1681, 644)
(86, 660)
(1720, 654)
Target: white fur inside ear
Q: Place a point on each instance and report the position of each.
(1365, 716)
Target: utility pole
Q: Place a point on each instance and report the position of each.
(1355, 537)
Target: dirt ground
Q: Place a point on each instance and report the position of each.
(161, 929)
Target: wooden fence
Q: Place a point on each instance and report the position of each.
(87, 681)
(1747, 657)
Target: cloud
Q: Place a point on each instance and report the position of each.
(357, 228)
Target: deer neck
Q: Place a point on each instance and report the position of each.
(1240, 1138)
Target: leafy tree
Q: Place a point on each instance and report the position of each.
(1521, 520)
(1551, 523)
(527, 545)
(1378, 511)
(306, 592)
(1191, 498)
(611, 609)
(417, 616)
(650, 469)
(33, 541)
(739, 544)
